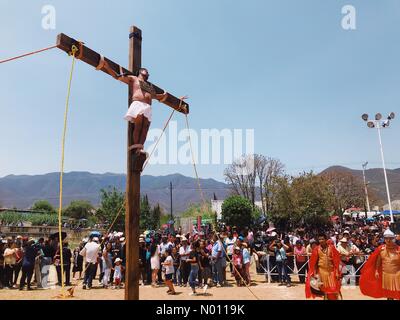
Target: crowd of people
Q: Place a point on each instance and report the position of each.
(196, 260)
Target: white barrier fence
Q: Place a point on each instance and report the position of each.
(350, 271)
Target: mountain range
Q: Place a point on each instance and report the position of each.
(376, 180)
(21, 191)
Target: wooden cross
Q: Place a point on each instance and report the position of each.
(134, 161)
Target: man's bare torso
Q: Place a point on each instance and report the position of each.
(140, 94)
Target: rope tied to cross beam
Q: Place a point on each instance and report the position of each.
(27, 54)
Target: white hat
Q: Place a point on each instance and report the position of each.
(118, 260)
(122, 239)
(95, 239)
(389, 234)
(274, 234)
(184, 238)
(343, 240)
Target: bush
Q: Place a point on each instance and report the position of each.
(237, 211)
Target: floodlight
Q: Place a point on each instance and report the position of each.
(371, 124)
(365, 117)
(378, 117)
(391, 116)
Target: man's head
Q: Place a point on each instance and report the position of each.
(390, 237)
(322, 239)
(143, 74)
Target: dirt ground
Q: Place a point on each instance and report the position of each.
(260, 289)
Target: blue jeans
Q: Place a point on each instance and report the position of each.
(90, 273)
(217, 271)
(194, 271)
(282, 271)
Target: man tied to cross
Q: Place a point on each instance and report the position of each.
(140, 110)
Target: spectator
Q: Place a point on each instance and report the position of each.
(184, 253)
(28, 264)
(78, 263)
(194, 266)
(90, 253)
(155, 263)
(301, 259)
(168, 264)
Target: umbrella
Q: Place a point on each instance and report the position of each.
(56, 235)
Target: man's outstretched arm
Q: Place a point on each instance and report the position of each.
(121, 77)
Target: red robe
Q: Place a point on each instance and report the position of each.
(312, 264)
(369, 284)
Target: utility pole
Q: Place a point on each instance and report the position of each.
(366, 188)
(170, 192)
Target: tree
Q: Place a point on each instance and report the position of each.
(302, 201)
(43, 205)
(112, 203)
(79, 209)
(240, 175)
(347, 190)
(145, 214)
(237, 211)
(254, 175)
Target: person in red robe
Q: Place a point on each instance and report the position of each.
(380, 276)
(324, 268)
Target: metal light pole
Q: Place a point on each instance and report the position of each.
(365, 186)
(377, 124)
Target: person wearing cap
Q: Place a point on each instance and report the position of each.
(380, 276)
(184, 252)
(238, 268)
(118, 269)
(347, 253)
(90, 252)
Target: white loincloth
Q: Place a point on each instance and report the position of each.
(137, 108)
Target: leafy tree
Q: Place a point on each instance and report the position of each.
(43, 205)
(237, 211)
(112, 202)
(145, 214)
(79, 209)
(156, 213)
(347, 190)
(303, 201)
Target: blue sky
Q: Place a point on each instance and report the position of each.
(286, 69)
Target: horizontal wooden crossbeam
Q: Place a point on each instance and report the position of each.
(91, 57)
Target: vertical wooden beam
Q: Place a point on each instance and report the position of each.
(134, 169)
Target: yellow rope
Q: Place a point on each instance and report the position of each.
(74, 49)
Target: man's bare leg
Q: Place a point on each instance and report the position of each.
(145, 130)
(137, 132)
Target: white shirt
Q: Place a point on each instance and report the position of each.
(164, 247)
(170, 268)
(229, 245)
(90, 252)
(183, 251)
